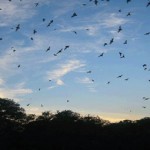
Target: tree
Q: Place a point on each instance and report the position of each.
(95, 120)
(47, 116)
(67, 116)
(10, 110)
(12, 117)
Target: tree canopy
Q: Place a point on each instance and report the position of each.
(68, 130)
(11, 110)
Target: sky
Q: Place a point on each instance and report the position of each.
(32, 71)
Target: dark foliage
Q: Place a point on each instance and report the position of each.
(67, 130)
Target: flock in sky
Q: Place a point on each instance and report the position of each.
(50, 23)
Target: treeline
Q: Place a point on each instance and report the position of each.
(67, 130)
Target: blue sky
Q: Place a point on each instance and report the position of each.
(95, 25)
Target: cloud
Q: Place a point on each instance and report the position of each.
(48, 60)
(16, 11)
(64, 69)
(93, 29)
(6, 62)
(116, 35)
(88, 82)
(51, 87)
(99, 23)
(15, 92)
(59, 82)
(85, 80)
(101, 26)
(2, 81)
(64, 8)
(92, 89)
(20, 85)
(25, 56)
(113, 20)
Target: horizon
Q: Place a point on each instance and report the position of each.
(54, 56)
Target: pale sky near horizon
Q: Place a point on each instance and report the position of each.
(94, 25)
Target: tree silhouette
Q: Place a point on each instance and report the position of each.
(12, 116)
(68, 130)
(66, 116)
(47, 115)
(11, 110)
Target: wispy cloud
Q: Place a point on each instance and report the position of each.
(16, 11)
(101, 21)
(64, 8)
(6, 62)
(92, 89)
(64, 69)
(90, 29)
(51, 87)
(2, 81)
(101, 28)
(15, 92)
(59, 82)
(116, 35)
(88, 83)
(25, 55)
(113, 20)
(85, 80)
(48, 60)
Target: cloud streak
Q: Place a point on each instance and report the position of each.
(85, 80)
(88, 83)
(113, 20)
(64, 69)
(15, 92)
(16, 11)
(2, 81)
